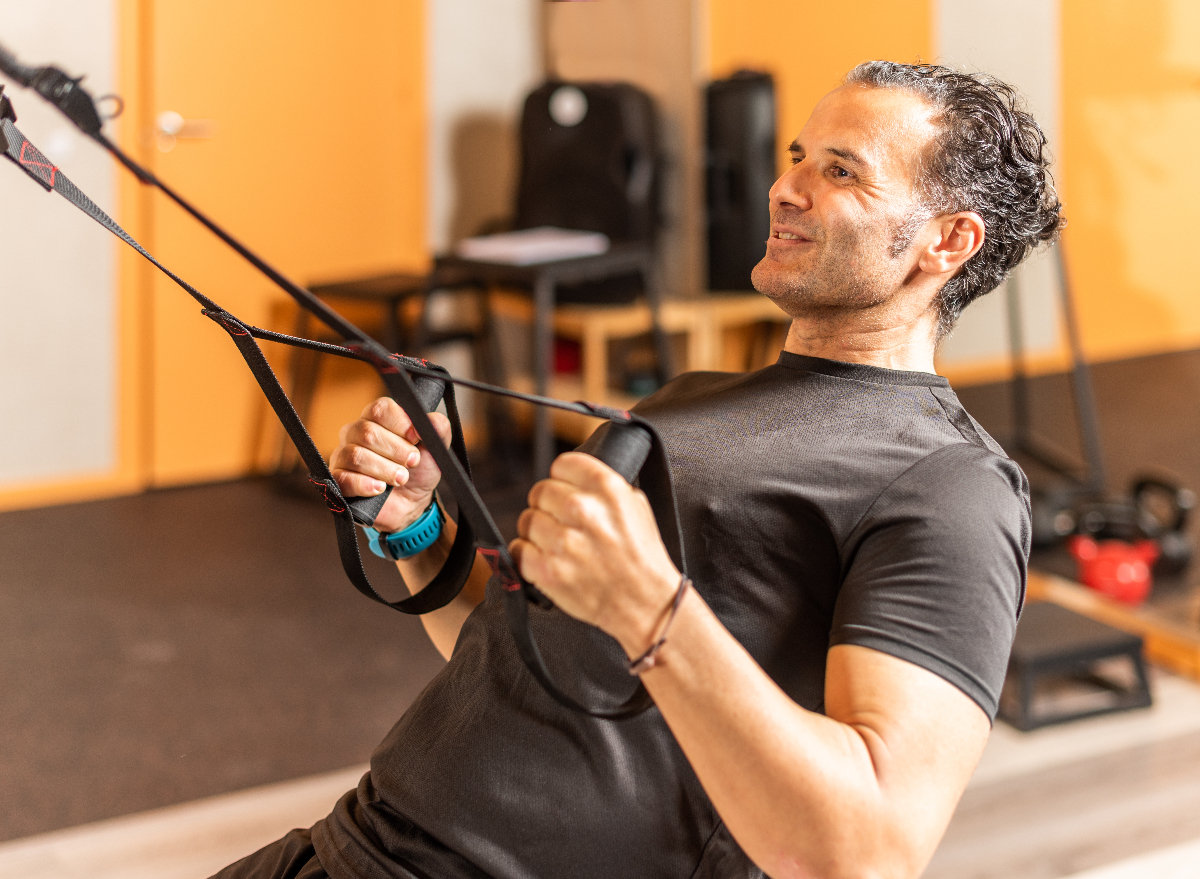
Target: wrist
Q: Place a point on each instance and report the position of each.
(649, 658)
(399, 521)
(643, 621)
(420, 534)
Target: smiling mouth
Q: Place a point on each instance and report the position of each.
(788, 236)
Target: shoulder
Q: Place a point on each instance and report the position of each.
(696, 387)
(962, 489)
(935, 571)
(967, 471)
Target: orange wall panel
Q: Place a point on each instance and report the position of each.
(316, 161)
(809, 47)
(1131, 118)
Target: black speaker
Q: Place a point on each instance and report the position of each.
(589, 160)
(740, 170)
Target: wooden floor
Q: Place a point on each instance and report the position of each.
(1066, 799)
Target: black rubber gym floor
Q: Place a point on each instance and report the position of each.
(181, 643)
(176, 644)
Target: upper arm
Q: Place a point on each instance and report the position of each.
(923, 625)
(923, 734)
(935, 572)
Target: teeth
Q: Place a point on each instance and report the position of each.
(787, 236)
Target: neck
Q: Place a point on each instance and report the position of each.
(907, 344)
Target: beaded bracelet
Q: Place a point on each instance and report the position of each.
(647, 660)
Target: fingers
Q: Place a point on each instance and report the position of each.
(539, 566)
(565, 502)
(542, 530)
(382, 448)
(587, 472)
(358, 466)
(387, 413)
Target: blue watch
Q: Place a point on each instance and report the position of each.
(418, 536)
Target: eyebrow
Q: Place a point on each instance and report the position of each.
(848, 155)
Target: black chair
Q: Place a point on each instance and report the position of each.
(589, 162)
(389, 294)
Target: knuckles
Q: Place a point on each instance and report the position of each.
(357, 457)
(576, 508)
(371, 435)
(380, 410)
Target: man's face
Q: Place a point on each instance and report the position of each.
(842, 215)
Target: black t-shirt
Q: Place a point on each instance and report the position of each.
(822, 503)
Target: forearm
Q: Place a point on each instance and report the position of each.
(797, 790)
(800, 792)
(443, 625)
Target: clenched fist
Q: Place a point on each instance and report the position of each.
(382, 448)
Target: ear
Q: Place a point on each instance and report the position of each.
(955, 239)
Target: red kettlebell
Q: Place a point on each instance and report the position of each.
(1115, 568)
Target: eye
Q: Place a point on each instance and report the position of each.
(839, 172)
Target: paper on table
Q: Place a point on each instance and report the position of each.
(531, 246)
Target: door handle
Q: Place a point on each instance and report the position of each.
(171, 127)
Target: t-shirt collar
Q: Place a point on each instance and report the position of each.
(860, 371)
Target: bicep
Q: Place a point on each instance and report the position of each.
(924, 735)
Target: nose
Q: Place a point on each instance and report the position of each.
(793, 188)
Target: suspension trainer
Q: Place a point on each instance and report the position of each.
(630, 444)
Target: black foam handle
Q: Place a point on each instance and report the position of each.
(364, 509)
(70, 97)
(430, 391)
(624, 447)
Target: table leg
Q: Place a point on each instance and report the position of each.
(543, 363)
(664, 367)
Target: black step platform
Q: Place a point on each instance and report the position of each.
(1062, 668)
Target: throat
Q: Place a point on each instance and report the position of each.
(841, 337)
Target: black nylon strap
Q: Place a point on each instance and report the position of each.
(476, 523)
(655, 480)
(449, 581)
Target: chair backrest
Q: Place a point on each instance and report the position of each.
(589, 160)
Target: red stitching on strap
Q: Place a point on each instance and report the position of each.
(324, 486)
(420, 360)
(507, 581)
(233, 327)
(32, 163)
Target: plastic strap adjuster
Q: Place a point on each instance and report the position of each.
(418, 536)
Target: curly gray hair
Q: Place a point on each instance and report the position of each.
(990, 158)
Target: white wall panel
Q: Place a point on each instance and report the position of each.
(483, 58)
(57, 266)
(1017, 41)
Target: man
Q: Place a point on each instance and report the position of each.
(857, 546)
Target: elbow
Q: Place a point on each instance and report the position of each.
(850, 857)
(787, 868)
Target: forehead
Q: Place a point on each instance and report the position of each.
(887, 128)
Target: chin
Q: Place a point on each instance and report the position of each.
(763, 274)
(770, 279)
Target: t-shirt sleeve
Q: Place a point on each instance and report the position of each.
(935, 571)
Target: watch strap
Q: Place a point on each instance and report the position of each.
(417, 537)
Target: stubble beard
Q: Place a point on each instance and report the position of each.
(849, 273)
